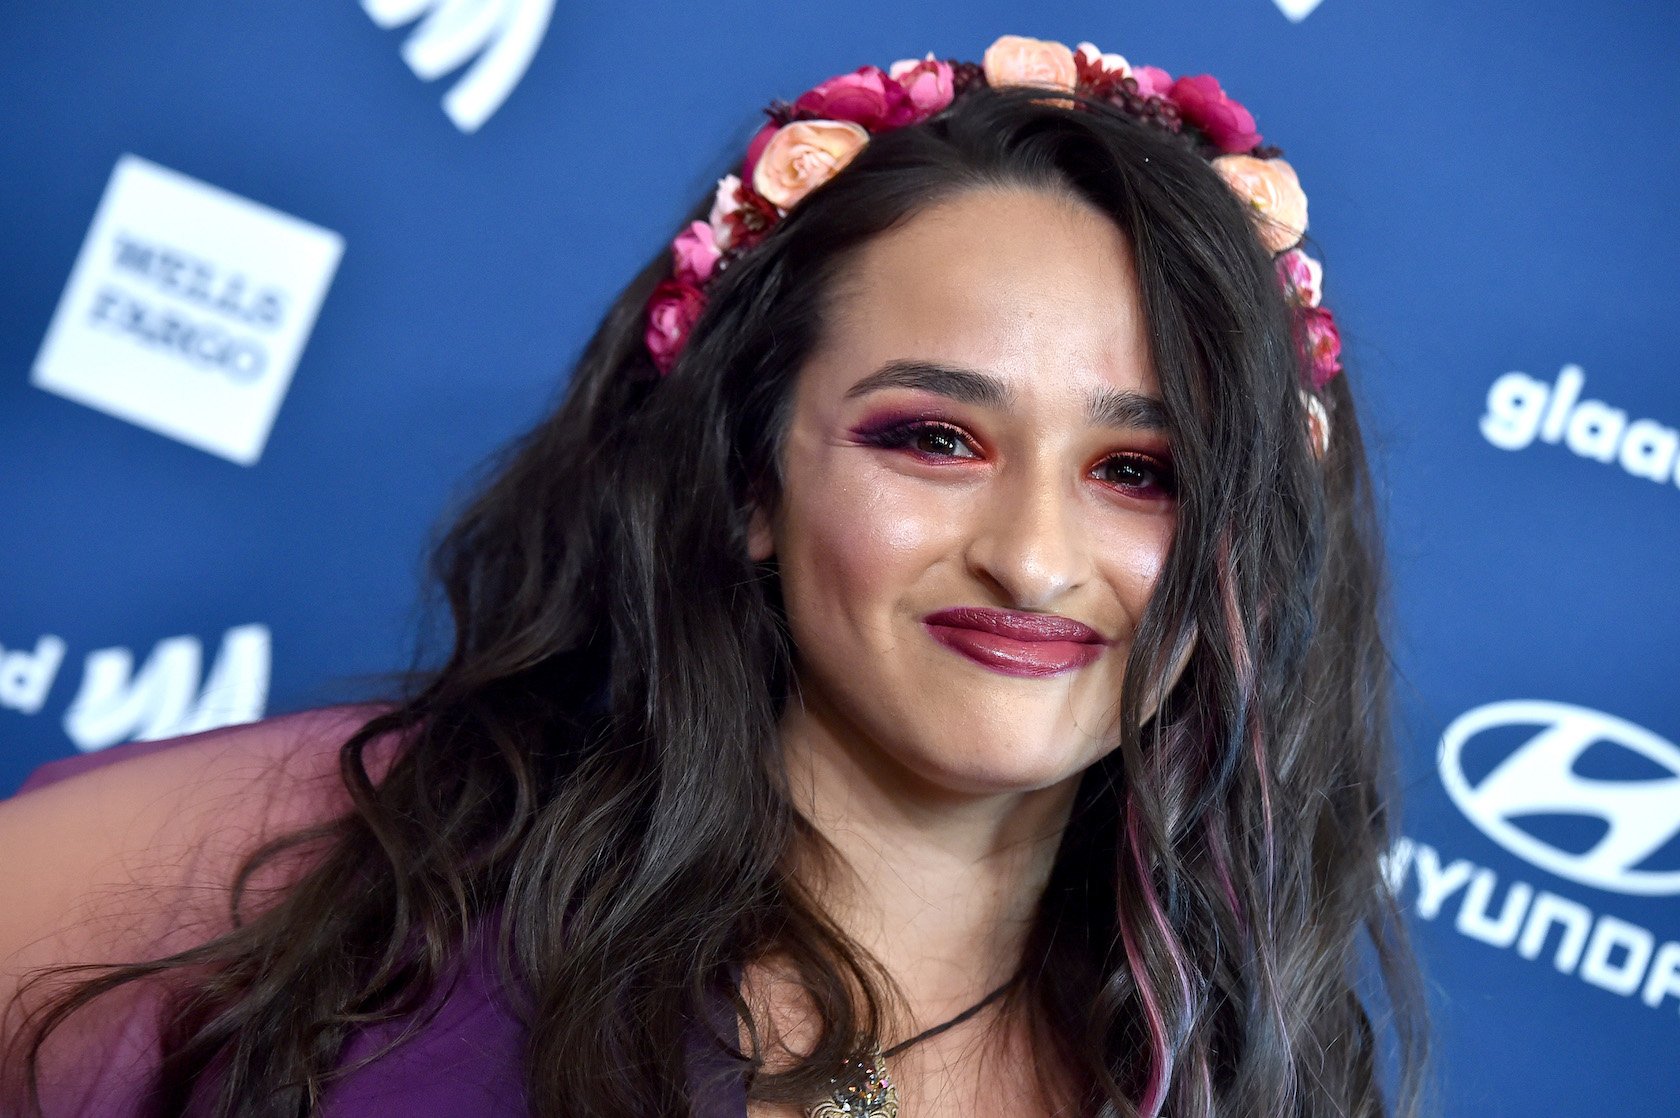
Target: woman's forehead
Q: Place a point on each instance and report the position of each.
(1026, 284)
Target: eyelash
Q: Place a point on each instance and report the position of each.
(903, 436)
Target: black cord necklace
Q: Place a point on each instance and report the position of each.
(952, 1023)
(865, 1090)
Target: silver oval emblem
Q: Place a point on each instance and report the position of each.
(1538, 777)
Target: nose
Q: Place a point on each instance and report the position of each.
(1028, 541)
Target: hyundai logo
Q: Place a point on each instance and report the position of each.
(1539, 777)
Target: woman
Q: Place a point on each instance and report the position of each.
(930, 658)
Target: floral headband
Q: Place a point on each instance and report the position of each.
(807, 142)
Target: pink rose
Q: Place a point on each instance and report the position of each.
(866, 96)
(927, 82)
(803, 155)
(1302, 276)
(1272, 190)
(1204, 104)
(1018, 60)
(695, 251)
(672, 311)
(1152, 81)
(1323, 344)
(755, 148)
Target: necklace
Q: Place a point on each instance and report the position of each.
(864, 1089)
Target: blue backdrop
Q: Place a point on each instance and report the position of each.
(279, 276)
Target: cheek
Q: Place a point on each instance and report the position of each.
(1134, 555)
(853, 539)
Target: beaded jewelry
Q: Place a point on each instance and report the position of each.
(864, 1088)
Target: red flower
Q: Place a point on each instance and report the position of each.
(1204, 104)
(1323, 344)
(1099, 75)
(866, 96)
(739, 219)
(672, 311)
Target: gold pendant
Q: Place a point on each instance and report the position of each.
(864, 1090)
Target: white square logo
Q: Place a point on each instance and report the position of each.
(187, 310)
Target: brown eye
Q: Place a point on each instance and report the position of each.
(941, 441)
(1137, 474)
(926, 439)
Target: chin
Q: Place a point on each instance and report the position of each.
(995, 765)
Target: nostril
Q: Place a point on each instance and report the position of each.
(1031, 551)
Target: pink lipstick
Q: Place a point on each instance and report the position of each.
(1015, 643)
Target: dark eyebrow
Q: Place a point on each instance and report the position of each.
(1113, 407)
(964, 385)
(1121, 407)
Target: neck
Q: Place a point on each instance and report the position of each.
(940, 887)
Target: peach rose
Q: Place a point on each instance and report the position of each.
(803, 155)
(1018, 60)
(1270, 187)
(755, 147)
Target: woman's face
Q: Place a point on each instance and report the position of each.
(977, 496)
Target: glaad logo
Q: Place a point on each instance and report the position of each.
(503, 34)
(1539, 777)
(168, 695)
(187, 310)
(1521, 409)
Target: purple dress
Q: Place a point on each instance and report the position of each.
(465, 1062)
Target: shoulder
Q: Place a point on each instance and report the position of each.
(287, 736)
(127, 853)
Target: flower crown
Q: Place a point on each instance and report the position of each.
(806, 142)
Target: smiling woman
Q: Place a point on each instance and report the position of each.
(976, 453)
(929, 664)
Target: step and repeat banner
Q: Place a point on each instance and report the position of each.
(279, 278)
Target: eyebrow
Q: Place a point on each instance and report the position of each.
(1108, 407)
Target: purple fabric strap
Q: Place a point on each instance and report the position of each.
(468, 1061)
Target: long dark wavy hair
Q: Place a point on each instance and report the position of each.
(597, 767)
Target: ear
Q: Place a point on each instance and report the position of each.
(1318, 424)
(761, 539)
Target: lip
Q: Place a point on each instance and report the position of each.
(1013, 643)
